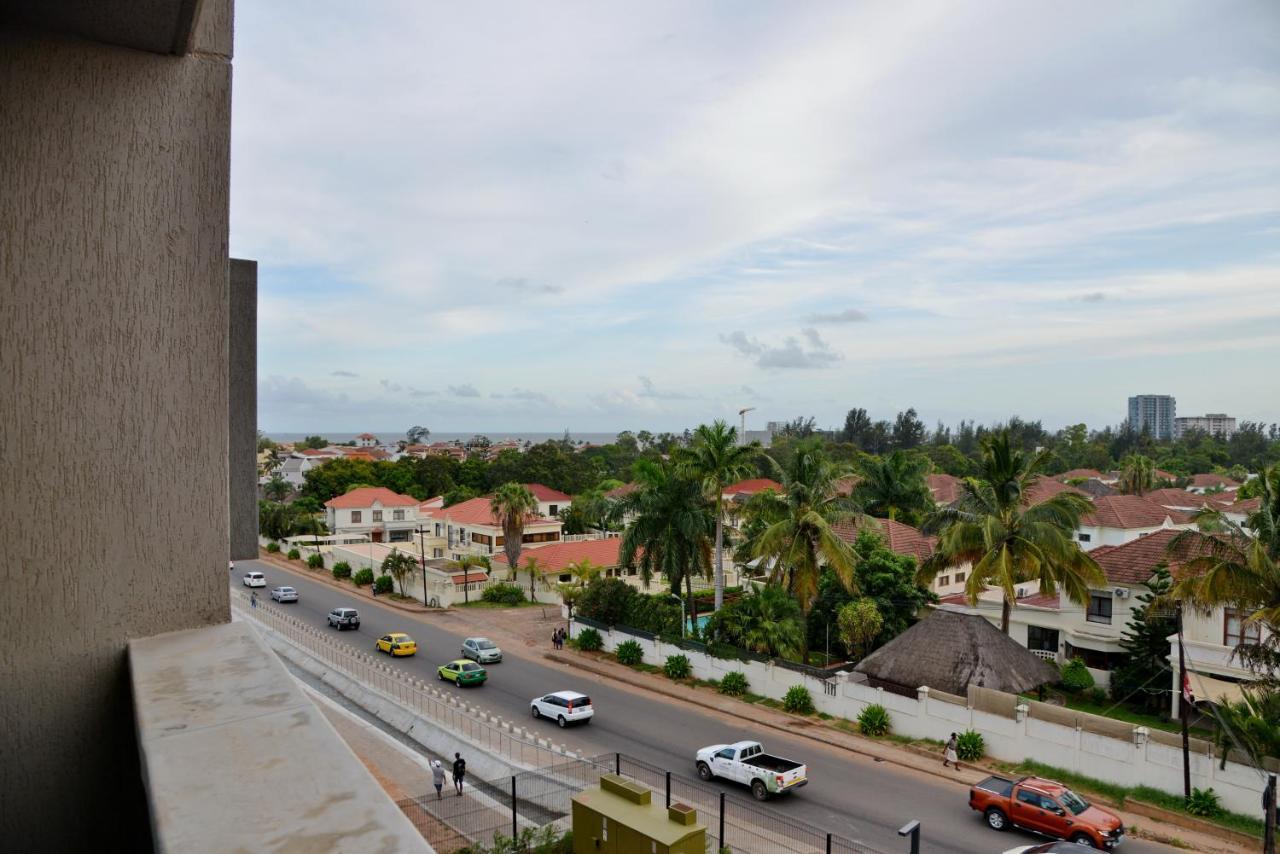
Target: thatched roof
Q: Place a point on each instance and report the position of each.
(948, 652)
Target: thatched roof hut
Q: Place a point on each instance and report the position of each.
(949, 652)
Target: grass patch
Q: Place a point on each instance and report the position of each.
(825, 716)
(770, 702)
(1119, 794)
(501, 606)
(1123, 713)
(647, 668)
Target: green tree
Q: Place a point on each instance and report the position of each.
(1007, 540)
(894, 487)
(607, 600)
(276, 489)
(908, 431)
(860, 622)
(800, 537)
(417, 435)
(513, 504)
(398, 566)
(767, 620)
(316, 442)
(588, 511)
(1143, 677)
(717, 460)
(671, 530)
(1137, 475)
(465, 564)
(534, 567)
(1251, 724)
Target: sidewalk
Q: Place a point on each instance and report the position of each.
(915, 758)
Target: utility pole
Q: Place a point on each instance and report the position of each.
(742, 413)
(422, 561)
(1183, 710)
(1269, 816)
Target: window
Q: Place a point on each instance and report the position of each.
(1038, 637)
(355, 517)
(565, 578)
(1099, 608)
(555, 508)
(1029, 797)
(959, 578)
(438, 529)
(377, 515)
(397, 515)
(1084, 538)
(944, 580)
(1094, 659)
(1236, 631)
(437, 552)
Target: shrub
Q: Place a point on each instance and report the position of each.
(294, 554)
(677, 667)
(629, 653)
(589, 640)
(797, 700)
(970, 746)
(1098, 696)
(315, 561)
(273, 547)
(608, 601)
(734, 683)
(503, 594)
(1076, 677)
(363, 576)
(342, 569)
(1204, 803)
(874, 720)
(383, 584)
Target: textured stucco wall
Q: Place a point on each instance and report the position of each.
(113, 341)
(242, 409)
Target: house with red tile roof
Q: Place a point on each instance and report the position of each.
(366, 440)
(621, 491)
(1202, 483)
(1044, 488)
(1080, 474)
(469, 527)
(903, 539)
(550, 501)
(945, 488)
(374, 511)
(744, 489)
(1117, 519)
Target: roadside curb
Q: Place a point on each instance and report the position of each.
(850, 744)
(326, 577)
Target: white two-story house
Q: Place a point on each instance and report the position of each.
(469, 527)
(550, 501)
(1118, 519)
(377, 512)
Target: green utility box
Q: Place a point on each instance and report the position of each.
(620, 818)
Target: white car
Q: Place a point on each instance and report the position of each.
(482, 650)
(255, 579)
(563, 707)
(284, 594)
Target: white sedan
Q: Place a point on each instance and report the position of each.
(563, 707)
(255, 579)
(284, 594)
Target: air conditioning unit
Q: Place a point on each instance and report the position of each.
(1121, 592)
(1020, 592)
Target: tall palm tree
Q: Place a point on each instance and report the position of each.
(465, 563)
(717, 460)
(894, 487)
(671, 530)
(1137, 475)
(512, 504)
(1007, 539)
(800, 537)
(534, 567)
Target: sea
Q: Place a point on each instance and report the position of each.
(389, 437)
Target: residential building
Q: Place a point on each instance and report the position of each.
(292, 470)
(1202, 483)
(1080, 474)
(1117, 519)
(554, 560)
(379, 513)
(1153, 414)
(366, 440)
(903, 539)
(944, 487)
(550, 501)
(1217, 424)
(469, 527)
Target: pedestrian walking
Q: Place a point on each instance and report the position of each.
(437, 777)
(555, 638)
(253, 598)
(459, 771)
(949, 755)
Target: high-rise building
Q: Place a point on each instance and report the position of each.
(1153, 413)
(1217, 424)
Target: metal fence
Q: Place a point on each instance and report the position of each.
(490, 733)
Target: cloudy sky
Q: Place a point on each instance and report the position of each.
(603, 215)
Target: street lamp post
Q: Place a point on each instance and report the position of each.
(422, 561)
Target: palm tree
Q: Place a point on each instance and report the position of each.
(800, 537)
(465, 563)
(512, 504)
(1137, 475)
(671, 530)
(766, 620)
(894, 487)
(717, 460)
(277, 488)
(1007, 540)
(534, 567)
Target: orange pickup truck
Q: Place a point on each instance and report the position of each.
(1048, 808)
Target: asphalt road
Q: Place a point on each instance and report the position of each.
(848, 794)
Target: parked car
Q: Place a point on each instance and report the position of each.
(746, 762)
(344, 618)
(284, 594)
(1046, 848)
(482, 650)
(563, 707)
(396, 644)
(254, 579)
(1048, 808)
(462, 672)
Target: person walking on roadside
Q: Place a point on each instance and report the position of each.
(949, 755)
(437, 777)
(253, 598)
(459, 771)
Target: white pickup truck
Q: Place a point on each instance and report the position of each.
(746, 762)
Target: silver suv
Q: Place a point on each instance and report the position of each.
(344, 618)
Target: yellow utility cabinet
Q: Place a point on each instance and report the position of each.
(620, 818)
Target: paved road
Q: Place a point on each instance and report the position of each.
(851, 795)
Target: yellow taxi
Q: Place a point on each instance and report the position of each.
(396, 643)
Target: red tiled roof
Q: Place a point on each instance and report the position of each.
(314, 452)
(1040, 600)
(459, 578)
(1176, 498)
(1044, 488)
(846, 485)
(945, 487)
(622, 491)
(546, 493)
(479, 511)
(899, 537)
(366, 436)
(1134, 562)
(752, 486)
(555, 557)
(1080, 474)
(1248, 505)
(365, 496)
(1130, 511)
(1208, 481)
